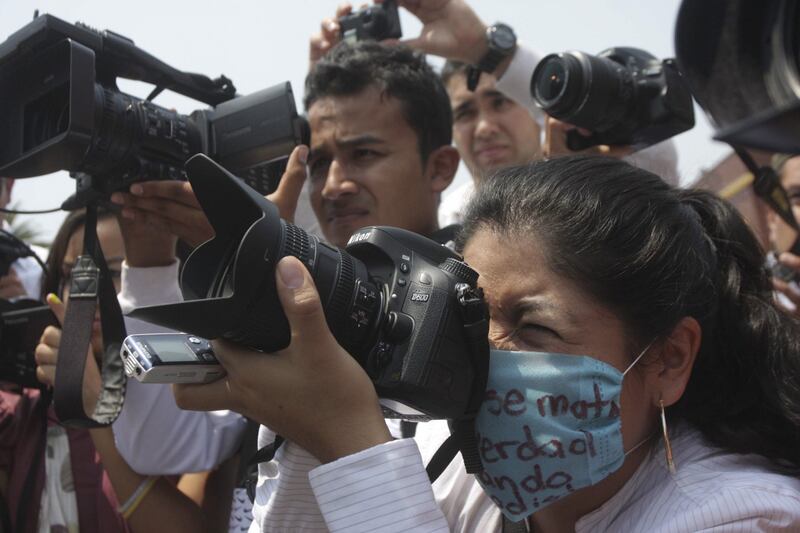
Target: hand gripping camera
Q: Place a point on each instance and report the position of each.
(406, 308)
(61, 110)
(624, 96)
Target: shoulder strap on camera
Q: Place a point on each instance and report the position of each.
(90, 280)
(462, 431)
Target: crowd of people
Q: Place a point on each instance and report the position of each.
(644, 371)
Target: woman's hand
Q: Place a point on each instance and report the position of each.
(313, 392)
(46, 355)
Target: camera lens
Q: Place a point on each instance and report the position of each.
(552, 81)
(557, 84)
(591, 92)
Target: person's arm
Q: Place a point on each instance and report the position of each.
(152, 433)
(385, 486)
(161, 508)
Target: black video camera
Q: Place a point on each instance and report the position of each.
(624, 96)
(21, 325)
(375, 23)
(406, 308)
(61, 110)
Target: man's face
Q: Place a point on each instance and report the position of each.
(490, 130)
(780, 234)
(366, 169)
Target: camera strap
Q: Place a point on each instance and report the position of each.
(91, 281)
(462, 431)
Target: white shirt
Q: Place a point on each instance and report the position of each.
(152, 433)
(385, 488)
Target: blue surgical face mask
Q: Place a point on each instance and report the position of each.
(548, 426)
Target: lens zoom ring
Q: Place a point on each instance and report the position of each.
(343, 290)
(296, 243)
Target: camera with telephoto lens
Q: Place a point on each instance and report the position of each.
(61, 109)
(624, 96)
(374, 23)
(402, 305)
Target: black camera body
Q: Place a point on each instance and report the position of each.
(624, 96)
(396, 301)
(375, 23)
(61, 110)
(21, 325)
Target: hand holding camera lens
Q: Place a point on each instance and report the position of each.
(155, 212)
(555, 142)
(312, 392)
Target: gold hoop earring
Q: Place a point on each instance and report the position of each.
(667, 444)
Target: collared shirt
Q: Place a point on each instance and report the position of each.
(385, 488)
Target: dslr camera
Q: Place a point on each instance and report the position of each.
(406, 308)
(375, 23)
(624, 96)
(62, 110)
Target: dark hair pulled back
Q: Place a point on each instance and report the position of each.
(655, 254)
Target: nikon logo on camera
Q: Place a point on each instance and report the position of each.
(358, 237)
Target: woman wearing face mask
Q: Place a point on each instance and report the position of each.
(641, 378)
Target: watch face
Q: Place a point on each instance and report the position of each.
(503, 37)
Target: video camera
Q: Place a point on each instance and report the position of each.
(624, 96)
(61, 110)
(21, 325)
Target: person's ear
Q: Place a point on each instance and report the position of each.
(678, 354)
(441, 167)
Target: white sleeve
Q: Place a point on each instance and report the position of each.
(381, 489)
(284, 500)
(516, 80)
(152, 433)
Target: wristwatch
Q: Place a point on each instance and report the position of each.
(502, 41)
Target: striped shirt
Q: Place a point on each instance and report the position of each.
(385, 488)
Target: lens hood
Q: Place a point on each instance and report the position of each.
(245, 224)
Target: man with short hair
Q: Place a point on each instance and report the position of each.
(381, 129)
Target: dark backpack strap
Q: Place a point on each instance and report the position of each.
(90, 280)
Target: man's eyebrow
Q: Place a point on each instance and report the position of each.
(493, 93)
(359, 140)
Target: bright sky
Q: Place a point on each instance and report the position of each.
(260, 43)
